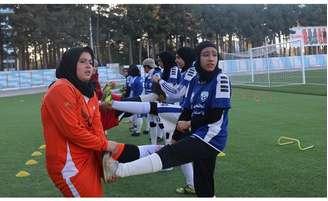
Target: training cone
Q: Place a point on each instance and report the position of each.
(221, 154)
(42, 146)
(36, 153)
(22, 173)
(31, 162)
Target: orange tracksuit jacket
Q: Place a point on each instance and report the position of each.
(74, 139)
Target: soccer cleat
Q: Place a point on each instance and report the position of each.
(107, 96)
(109, 167)
(167, 169)
(145, 132)
(131, 129)
(121, 116)
(186, 190)
(135, 134)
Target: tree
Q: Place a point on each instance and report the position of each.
(128, 33)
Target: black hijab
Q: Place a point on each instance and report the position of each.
(134, 70)
(168, 62)
(203, 74)
(67, 70)
(188, 56)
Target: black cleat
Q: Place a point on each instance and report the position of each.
(135, 134)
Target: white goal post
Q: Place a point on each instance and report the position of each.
(267, 66)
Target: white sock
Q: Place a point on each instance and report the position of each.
(134, 122)
(130, 118)
(153, 134)
(149, 97)
(146, 150)
(148, 164)
(147, 123)
(131, 107)
(188, 173)
(139, 121)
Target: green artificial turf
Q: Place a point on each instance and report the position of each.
(254, 165)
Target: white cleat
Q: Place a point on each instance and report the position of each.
(109, 167)
(167, 169)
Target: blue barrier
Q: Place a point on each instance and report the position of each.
(32, 78)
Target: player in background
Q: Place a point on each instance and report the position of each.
(136, 88)
(152, 70)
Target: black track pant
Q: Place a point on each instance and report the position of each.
(203, 156)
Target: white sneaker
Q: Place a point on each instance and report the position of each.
(167, 169)
(109, 167)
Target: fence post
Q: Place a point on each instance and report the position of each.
(251, 60)
(267, 64)
(302, 60)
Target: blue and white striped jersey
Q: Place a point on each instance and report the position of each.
(136, 85)
(148, 79)
(175, 76)
(176, 93)
(127, 86)
(200, 98)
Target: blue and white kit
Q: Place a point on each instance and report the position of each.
(203, 97)
(148, 79)
(169, 113)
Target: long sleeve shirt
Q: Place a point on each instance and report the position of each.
(73, 135)
(175, 93)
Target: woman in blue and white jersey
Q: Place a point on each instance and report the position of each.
(170, 73)
(174, 93)
(136, 89)
(151, 70)
(167, 113)
(184, 59)
(205, 113)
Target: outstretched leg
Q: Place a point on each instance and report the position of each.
(131, 107)
(186, 150)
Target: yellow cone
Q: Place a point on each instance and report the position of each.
(221, 154)
(31, 162)
(36, 153)
(22, 173)
(42, 146)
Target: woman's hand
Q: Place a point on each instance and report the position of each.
(156, 79)
(112, 147)
(182, 126)
(105, 106)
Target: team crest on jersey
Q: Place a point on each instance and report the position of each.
(204, 96)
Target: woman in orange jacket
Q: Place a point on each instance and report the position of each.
(72, 128)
